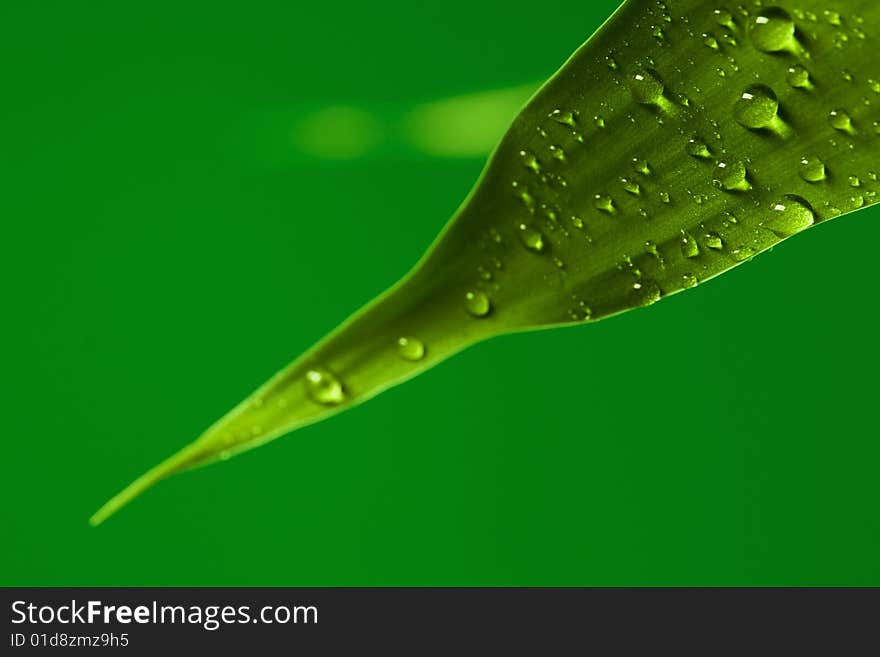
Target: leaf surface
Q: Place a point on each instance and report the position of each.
(679, 142)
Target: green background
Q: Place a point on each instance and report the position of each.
(163, 255)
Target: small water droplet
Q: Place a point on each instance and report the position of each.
(757, 107)
(733, 176)
(641, 166)
(689, 246)
(855, 181)
(645, 86)
(645, 292)
(812, 169)
(557, 153)
(604, 203)
(743, 253)
(772, 30)
(477, 303)
(841, 120)
(577, 222)
(631, 186)
(664, 197)
(799, 77)
(564, 117)
(714, 241)
(532, 239)
(323, 387)
(410, 348)
(688, 280)
(724, 18)
(832, 17)
(530, 161)
(697, 148)
(790, 215)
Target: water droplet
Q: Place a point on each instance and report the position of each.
(790, 215)
(696, 147)
(710, 42)
(812, 169)
(772, 30)
(323, 387)
(645, 292)
(645, 86)
(642, 166)
(841, 120)
(688, 280)
(577, 222)
(557, 153)
(477, 303)
(525, 196)
(410, 348)
(724, 18)
(604, 203)
(631, 186)
(567, 117)
(832, 17)
(714, 241)
(530, 161)
(757, 107)
(532, 239)
(664, 196)
(733, 176)
(689, 246)
(799, 77)
(599, 121)
(743, 253)
(855, 181)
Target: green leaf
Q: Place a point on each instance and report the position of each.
(682, 140)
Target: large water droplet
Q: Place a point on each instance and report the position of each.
(645, 86)
(323, 387)
(410, 348)
(772, 30)
(790, 215)
(812, 169)
(757, 107)
(477, 303)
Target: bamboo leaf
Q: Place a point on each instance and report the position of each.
(680, 141)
